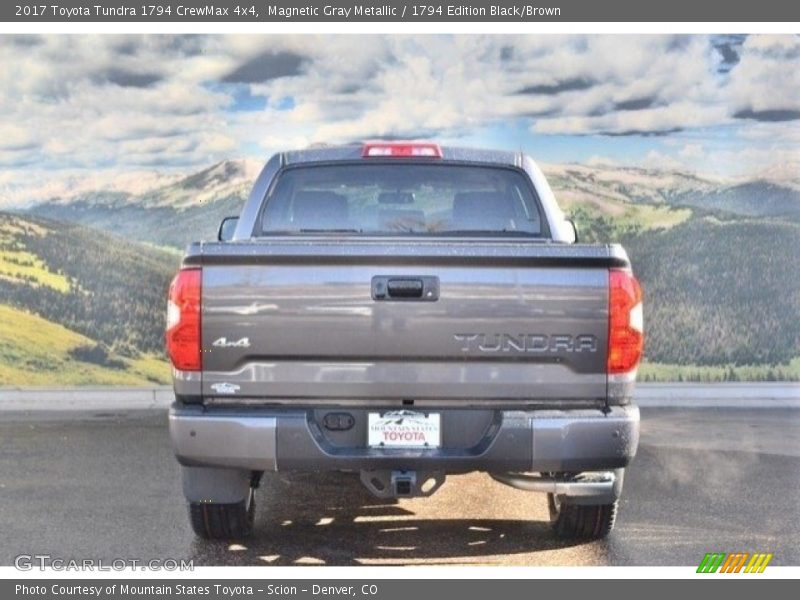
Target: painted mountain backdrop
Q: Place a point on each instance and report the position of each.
(83, 274)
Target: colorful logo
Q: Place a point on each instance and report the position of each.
(734, 563)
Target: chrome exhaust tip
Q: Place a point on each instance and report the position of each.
(590, 484)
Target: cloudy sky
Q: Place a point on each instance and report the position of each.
(109, 107)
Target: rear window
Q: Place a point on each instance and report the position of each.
(401, 199)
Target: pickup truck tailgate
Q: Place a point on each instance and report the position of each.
(300, 320)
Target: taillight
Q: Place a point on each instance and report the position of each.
(401, 150)
(183, 320)
(625, 322)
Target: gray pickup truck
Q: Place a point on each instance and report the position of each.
(402, 311)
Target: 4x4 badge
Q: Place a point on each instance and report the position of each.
(224, 343)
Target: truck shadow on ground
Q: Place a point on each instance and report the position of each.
(331, 519)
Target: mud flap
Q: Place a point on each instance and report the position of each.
(215, 485)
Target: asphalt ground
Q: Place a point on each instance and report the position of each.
(105, 486)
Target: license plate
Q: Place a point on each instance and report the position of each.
(404, 429)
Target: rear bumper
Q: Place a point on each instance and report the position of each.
(290, 440)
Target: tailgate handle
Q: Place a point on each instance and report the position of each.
(400, 288)
(405, 288)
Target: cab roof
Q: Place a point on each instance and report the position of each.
(354, 152)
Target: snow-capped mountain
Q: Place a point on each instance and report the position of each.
(179, 209)
(629, 184)
(608, 189)
(227, 179)
(149, 188)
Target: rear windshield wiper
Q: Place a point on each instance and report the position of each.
(487, 232)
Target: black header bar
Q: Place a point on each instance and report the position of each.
(407, 11)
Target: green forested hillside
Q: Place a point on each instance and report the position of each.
(107, 293)
(754, 198)
(720, 292)
(35, 351)
(187, 210)
(160, 225)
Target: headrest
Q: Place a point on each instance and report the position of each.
(319, 210)
(482, 211)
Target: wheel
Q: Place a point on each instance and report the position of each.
(581, 521)
(214, 521)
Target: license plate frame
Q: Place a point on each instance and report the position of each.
(404, 429)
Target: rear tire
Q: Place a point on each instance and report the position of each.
(581, 521)
(215, 521)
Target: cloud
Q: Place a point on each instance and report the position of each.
(655, 159)
(771, 115)
(765, 85)
(691, 152)
(124, 78)
(641, 132)
(480, 79)
(171, 101)
(748, 162)
(728, 47)
(15, 138)
(25, 41)
(636, 103)
(567, 85)
(657, 121)
(266, 66)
